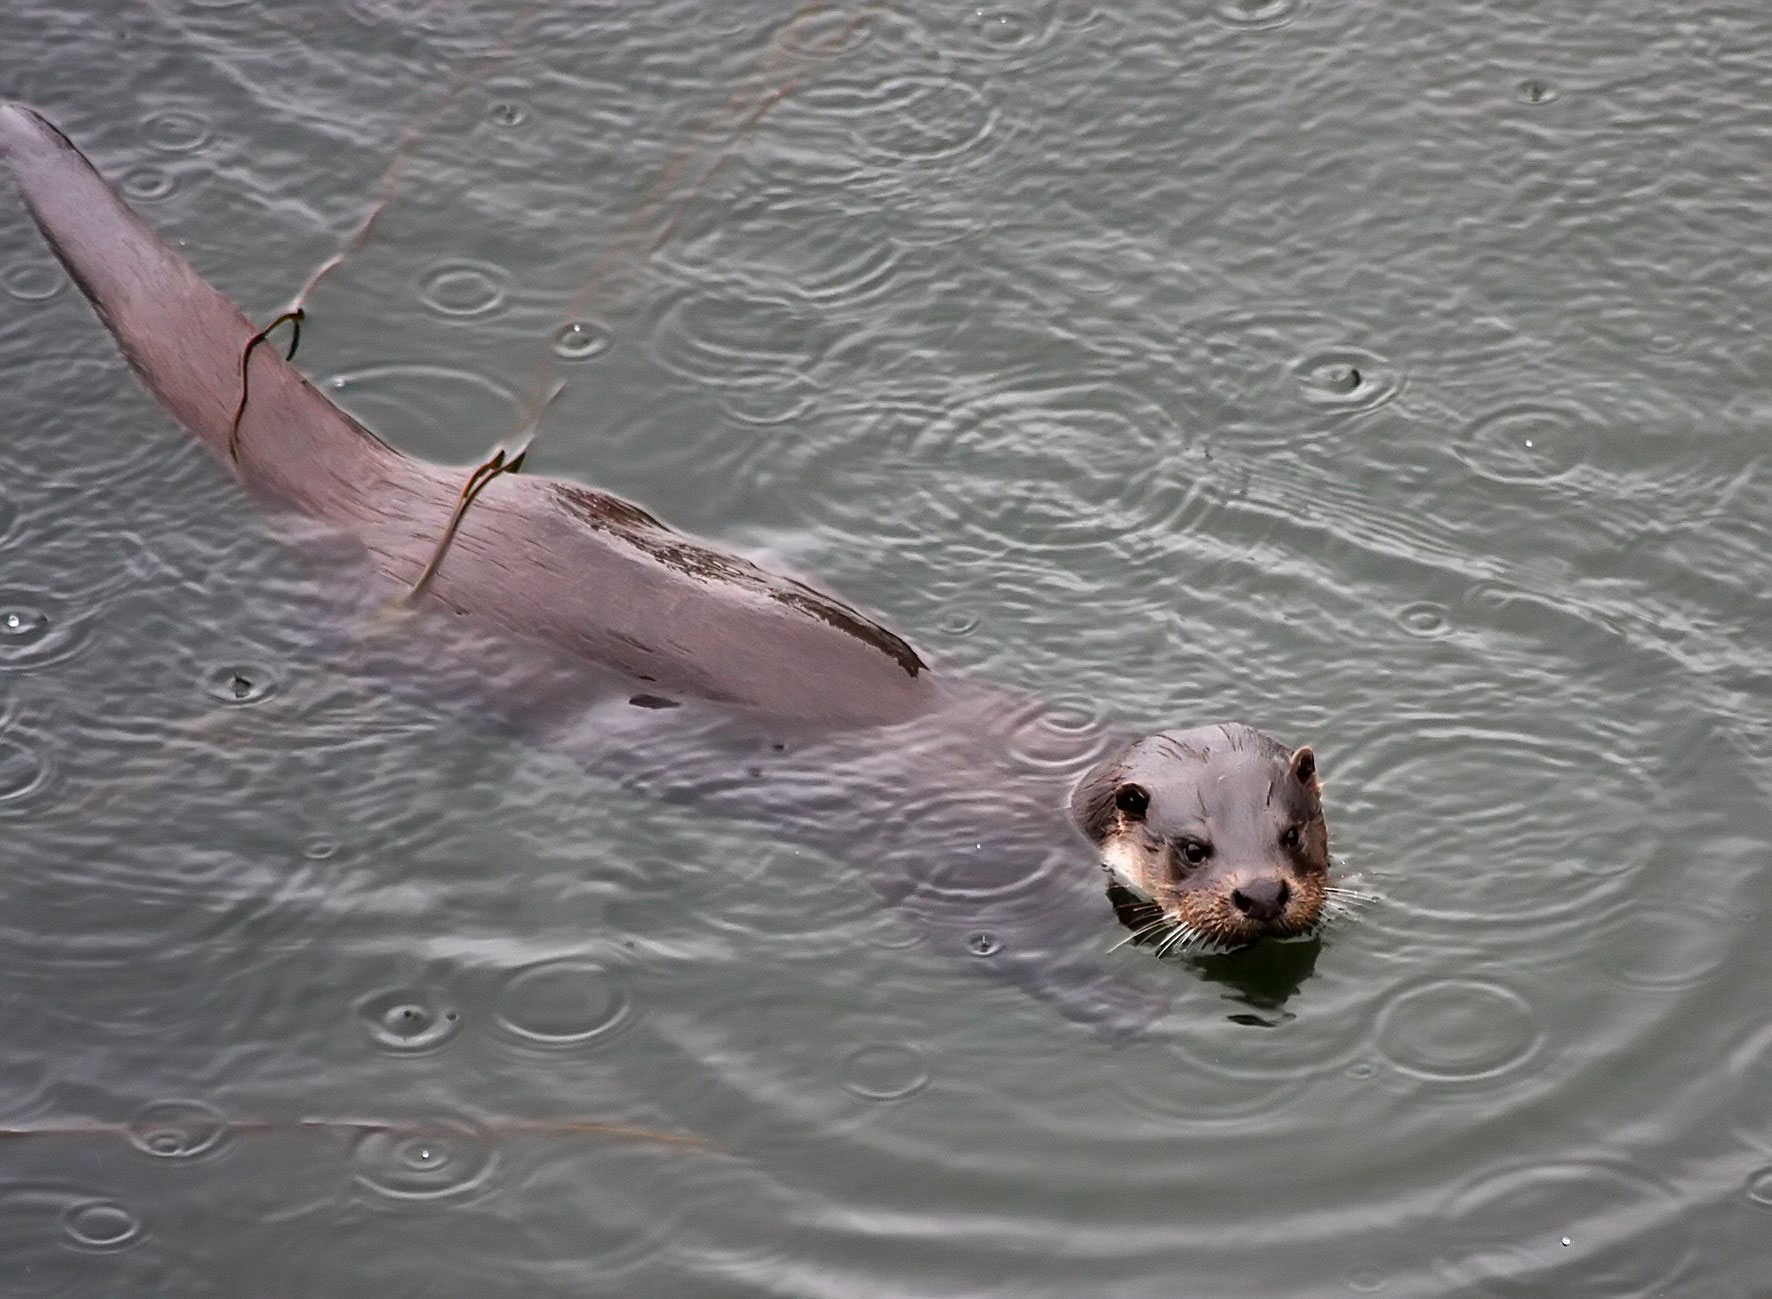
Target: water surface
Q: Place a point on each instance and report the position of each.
(1392, 379)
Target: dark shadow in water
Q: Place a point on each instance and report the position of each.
(1263, 977)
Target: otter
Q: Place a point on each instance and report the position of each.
(668, 665)
(1172, 816)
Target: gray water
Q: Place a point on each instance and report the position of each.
(1391, 377)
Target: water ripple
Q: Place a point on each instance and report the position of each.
(1258, 15)
(464, 290)
(178, 1129)
(177, 130)
(1423, 618)
(408, 1021)
(1542, 877)
(26, 777)
(449, 1161)
(1660, 946)
(240, 683)
(757, 353)
(1604, 1225)
(1457, 1030)
(885, 1071)
(100, 1225)
(37, 630)
(1235, 361)
(580, 340)
(1759, 1188)
(1526, 442)
(439, 412)
(147, 183)
(31, 280)
(1347, 379)
(562, 1004)
(1048, 470)
(922, 118)
(62, 1242)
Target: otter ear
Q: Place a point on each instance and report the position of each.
(1133, 800)
(1303, 768)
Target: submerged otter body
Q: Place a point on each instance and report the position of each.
(666, 664)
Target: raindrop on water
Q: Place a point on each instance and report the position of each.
(408, 1020)
(176, 131)
(885, 1072)
(241, 684)
(579, 340)
(146, 184)
(100, 1225)
(1337, 377)
(177, 1129)
(464, 289)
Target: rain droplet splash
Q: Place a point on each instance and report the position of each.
(1348, 379)
(176, 131)
(580, 340)
(1423, 619)
(241, 683)
(451, 1160)
(1528, 443)
(408, 1021)
(175, 1129)
(147, 184)
(36, 630)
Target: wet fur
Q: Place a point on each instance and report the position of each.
(1231, 787)
(560, 563)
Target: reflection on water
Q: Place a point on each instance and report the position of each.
(1379, 376)
(1261, 978)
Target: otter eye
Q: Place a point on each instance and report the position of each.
(1291, 837)
(1133, 800)
(1193, 852)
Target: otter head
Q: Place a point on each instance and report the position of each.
(1222, 827)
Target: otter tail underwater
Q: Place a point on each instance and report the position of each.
(758, 697)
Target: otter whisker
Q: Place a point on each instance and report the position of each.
(1140, 932)
(1184, 934)
(1348, 901)
(1342, 904)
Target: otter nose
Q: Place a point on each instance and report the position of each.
(1261, 899)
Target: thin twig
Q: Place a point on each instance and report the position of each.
(383, 195)
(436, 1128)
(507, 457)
